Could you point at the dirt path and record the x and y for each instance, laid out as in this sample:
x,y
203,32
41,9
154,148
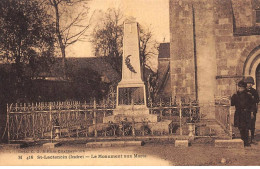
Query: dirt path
x,y
151,154
154,153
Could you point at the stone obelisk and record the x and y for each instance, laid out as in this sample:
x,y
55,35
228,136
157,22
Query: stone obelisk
x,y
131,66
131,92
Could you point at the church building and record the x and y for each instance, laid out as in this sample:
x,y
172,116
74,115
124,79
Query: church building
x,y
213,45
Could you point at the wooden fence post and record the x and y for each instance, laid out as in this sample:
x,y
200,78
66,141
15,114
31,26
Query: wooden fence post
x,y
85,113
161,109
230,124
133,127
104,106
8,123
51,120
180,117
190,109
170,105
95,117
33,126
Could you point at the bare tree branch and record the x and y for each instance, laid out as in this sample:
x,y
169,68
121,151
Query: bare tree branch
x,y
69,34
107,39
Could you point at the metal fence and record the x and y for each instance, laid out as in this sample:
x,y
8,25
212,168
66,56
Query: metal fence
x,y
223,114
42,121
179,112
38,121
75,120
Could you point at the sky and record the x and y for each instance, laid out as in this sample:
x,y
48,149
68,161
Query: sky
x,y
150,13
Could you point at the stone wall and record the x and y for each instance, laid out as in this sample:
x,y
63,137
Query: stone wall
x,y
205,50
182,49
232,51
225,37
243,13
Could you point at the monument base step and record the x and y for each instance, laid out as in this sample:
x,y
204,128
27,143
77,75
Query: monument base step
x,y
51,145
162,127
130,118
10,146
181,143
113,144
131,110
234,143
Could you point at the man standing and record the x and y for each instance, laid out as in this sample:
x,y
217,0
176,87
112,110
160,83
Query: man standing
x,y
242,119
250,82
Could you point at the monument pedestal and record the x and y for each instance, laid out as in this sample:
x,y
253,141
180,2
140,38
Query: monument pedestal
x,y
131,93
131,113
131,118
133,110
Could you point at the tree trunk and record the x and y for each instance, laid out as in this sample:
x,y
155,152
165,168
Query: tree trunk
x,y
61,44
19,76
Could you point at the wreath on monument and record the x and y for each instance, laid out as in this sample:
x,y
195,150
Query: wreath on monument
x,y
128,64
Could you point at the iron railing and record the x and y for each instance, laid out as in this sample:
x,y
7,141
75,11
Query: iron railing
x,y
75,119
223,114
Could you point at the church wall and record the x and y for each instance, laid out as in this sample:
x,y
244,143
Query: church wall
x,y
224,37
205,50
231,49
182,49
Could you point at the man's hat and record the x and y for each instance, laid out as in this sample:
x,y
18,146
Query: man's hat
x,y
249,79
241,84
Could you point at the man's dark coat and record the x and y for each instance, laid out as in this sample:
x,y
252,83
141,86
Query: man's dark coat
x,y
243,104
255,99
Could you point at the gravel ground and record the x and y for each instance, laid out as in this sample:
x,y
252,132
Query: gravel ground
x,y
152,153
201,153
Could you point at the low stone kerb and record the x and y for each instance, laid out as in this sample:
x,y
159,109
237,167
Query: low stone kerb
x,y
234,143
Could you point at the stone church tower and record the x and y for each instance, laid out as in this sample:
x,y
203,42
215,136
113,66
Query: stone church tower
x,y
213,44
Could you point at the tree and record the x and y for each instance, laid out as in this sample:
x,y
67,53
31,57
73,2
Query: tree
x,y
26,38
148,48
107,40
70,24
86,84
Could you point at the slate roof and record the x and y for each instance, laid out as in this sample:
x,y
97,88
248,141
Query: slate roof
x,y
163,67
164,50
